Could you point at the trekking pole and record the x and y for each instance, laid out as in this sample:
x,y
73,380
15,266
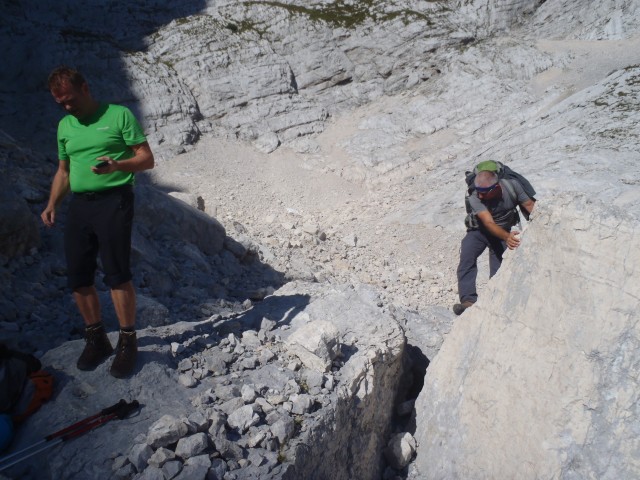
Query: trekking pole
x,y
70,428
120,410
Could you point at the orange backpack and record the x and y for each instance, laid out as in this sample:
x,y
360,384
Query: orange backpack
x,y
24,386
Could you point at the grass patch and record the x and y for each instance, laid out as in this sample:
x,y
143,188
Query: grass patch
x,y
346,14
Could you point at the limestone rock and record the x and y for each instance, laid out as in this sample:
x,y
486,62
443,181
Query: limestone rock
x,y
243,418
150,313
316,344
217,470
283,429
18,227
140,455
195,467
366,383
191,199
151,473
196,227
267,142
400,450
191,446
416,93
249,394
197,422
301,404
171,468
160,457
165,431
476,412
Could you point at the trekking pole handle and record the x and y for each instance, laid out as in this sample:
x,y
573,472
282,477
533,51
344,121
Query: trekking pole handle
x,y
71,428
124,409
113,408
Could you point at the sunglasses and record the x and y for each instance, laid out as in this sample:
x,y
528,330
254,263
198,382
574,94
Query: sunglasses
x,y
486,190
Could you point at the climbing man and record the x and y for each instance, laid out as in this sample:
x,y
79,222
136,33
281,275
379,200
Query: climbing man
x,y
494,194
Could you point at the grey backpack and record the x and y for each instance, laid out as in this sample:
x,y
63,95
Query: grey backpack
x,y
506,176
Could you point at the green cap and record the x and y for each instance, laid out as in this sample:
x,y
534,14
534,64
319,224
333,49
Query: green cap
x,y
487,166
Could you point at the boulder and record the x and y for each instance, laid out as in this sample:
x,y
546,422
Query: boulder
x,y
162,216
540,380
400,450
316,344
165,431
18,226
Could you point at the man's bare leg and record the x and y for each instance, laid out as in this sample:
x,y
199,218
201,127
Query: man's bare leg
x,y
88,304
124,302
97,346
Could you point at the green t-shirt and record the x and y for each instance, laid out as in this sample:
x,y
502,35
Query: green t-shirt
x,y
108,132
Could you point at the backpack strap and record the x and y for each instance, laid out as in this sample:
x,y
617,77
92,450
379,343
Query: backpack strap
x,y
508,186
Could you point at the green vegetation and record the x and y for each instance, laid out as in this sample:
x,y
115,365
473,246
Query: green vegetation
x,y
242,27
199,24
406,15
623,135
635,80
345,14
303,386
282,458
169,64
339,14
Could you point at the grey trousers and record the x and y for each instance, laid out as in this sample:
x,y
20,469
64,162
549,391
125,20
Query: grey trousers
x,y
473,244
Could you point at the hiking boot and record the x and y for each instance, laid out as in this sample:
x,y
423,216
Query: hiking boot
x,y
126,353
458,308
97,347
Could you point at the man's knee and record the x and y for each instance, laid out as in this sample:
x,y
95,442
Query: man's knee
x,y
84,290
116,280
128,285
76,282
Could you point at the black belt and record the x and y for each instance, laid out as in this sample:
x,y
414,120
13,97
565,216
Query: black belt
x,y
102,193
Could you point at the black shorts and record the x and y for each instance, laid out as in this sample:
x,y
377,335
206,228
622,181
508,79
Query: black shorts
x,y
99,223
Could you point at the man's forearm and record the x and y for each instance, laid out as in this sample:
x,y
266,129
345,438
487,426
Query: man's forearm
x,y
492,227
135,164
497,231
142,160
59,188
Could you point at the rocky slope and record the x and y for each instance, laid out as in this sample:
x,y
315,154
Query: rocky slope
x,y
330,145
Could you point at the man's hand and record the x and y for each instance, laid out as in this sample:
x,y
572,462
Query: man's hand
x,y
59,188
106,165
513,241
142,160
49,216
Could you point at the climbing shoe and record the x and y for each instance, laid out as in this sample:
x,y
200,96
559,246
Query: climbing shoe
x,y
458,308
126,353
96,349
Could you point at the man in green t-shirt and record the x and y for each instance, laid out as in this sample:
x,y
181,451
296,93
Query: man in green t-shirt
x,y
100,148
